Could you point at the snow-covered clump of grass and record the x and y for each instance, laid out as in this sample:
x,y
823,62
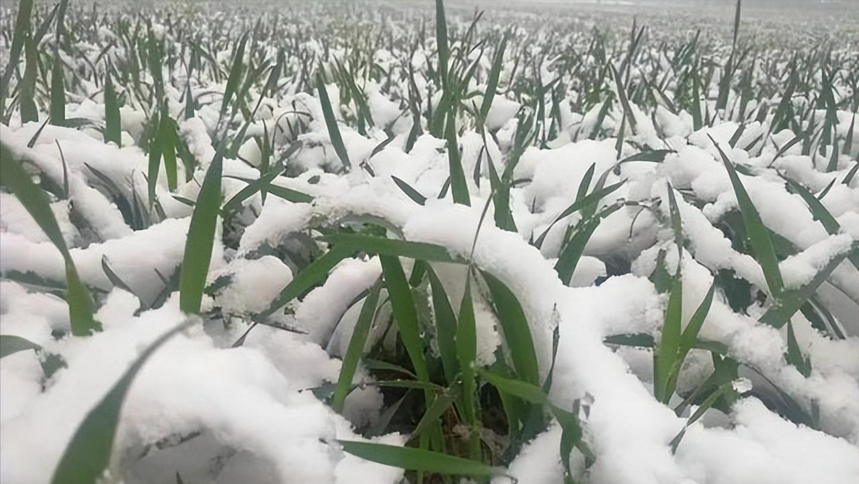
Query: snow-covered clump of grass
x,y
335,246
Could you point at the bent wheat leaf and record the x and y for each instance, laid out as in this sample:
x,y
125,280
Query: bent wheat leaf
x,y
16,180
782,310
517,333
446,325
11,344
392,247
331,123
759,235
88,454
418,459
356,348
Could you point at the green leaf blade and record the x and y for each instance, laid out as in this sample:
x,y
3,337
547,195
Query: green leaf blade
x,y
16,180
201,239
758,234
418,459
88,454
331,123
355,349
517,332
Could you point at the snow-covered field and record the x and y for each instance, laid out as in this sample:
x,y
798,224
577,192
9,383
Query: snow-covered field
x,y
392,245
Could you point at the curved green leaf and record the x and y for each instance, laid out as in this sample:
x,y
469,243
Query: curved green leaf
x,y
10,344
517,333
418,459
356,347
15,179
759,235
88,454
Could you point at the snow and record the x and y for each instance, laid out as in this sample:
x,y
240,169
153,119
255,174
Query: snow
x,y
251,404
765,449
253,284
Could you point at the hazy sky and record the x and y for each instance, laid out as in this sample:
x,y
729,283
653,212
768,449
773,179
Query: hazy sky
x,y
848,7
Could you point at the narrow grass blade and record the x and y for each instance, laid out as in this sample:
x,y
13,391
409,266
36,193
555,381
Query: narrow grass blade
x,y
154,60
669,344
707,404
440,404
591,200
201,239
676,224
848,142
624,101
418,459
517,333
409,191
37,134
758,234
693,327
780,313
22,25
16,180
737,20
689,338
660,277
518,388
305,279
822,215
111,275
556,341
378,365
235,73
697,122
571,436
355,349
392,247
826,190
446,328
571,428
88,454
264,185
492,82
27,91
466,352
250,190
11,344
571,253
654,156
154,160
112,122
20,33
458,182
851,174
794,354
603,112
331,122
411,384
441,40
790,144
584,187
58,92
641,340
167,148
647,341
403,305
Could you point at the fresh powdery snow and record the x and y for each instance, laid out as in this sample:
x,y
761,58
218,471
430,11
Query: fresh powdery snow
x,y
247,393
